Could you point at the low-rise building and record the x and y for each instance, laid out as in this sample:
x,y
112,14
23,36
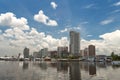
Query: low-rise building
x,y
53,54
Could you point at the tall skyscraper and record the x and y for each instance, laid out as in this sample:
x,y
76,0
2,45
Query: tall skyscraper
x,y
74,43
26,53
91,50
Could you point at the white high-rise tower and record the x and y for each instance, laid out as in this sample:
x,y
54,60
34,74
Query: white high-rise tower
x,y
74,43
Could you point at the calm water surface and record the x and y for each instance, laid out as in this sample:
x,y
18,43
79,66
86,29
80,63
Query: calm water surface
x,y
58,71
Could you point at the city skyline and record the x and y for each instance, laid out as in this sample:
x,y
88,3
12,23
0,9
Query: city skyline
x,y
46,24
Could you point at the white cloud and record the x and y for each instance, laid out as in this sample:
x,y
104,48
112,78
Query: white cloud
x,y
67,29
115,11
33,32
89,35
16,38
112,38
64,30
105,22
42,18
52,23
10,20
117,4
89,6
85,22
108,43
54,5
33,39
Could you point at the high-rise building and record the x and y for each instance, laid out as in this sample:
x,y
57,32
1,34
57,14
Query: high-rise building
x,y
36,54
84,52
91,50
53,54
26,53
62,51
74,43
44,52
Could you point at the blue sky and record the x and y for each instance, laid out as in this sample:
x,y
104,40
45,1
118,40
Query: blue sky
x,y
91,18
87,13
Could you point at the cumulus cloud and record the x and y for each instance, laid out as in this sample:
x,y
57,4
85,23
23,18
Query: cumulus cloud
x,y
42,18
54,5
117,4
13,33
105,22
16,37
111,38
9,19
67,29
64,30
108,43
32,39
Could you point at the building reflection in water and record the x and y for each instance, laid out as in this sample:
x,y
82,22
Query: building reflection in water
x,y
74,71
41,65
101,64
62,66
25,65
89,67
84,66
92,69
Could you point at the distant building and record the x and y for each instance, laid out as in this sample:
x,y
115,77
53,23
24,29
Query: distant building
x,y
26,53
62,52
53,54
101,57
36,54
81,53
84,53
89,53
74,43
44,52
91,50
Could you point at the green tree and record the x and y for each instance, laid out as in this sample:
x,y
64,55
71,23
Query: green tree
x,y
112,54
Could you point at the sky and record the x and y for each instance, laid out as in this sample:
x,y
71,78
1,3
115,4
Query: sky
x,y
38,24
